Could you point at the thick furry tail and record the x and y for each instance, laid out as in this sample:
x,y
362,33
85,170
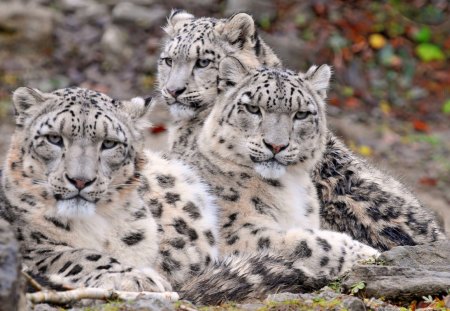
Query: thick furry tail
x,y
238,278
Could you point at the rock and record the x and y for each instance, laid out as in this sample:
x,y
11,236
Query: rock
x,y
282,297
11,296
43,307
141,16
436,254
250,306
260,10
380,305
399,283
409,272
23,25
71,5
149,305
114,45
447,301
86,10
138,2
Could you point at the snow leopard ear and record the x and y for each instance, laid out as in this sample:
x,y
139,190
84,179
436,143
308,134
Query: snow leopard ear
x,y
239,29
175,20
137,109
26,98
319,78
231,71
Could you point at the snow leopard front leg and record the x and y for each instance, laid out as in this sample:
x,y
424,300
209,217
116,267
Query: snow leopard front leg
x,y
320,252
73,268
186,216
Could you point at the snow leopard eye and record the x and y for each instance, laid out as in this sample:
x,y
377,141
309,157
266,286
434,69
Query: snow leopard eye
x,y
253,109
202,63
109,144
55,140
168,61
301,115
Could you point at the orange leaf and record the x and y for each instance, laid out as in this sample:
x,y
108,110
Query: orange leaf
x,y
352,102
334,101
421,126
428,181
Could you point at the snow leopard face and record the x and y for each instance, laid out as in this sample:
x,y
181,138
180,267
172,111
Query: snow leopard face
x,y
269,119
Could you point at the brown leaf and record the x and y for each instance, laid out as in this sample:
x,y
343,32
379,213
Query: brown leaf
x,y
428,181
421,126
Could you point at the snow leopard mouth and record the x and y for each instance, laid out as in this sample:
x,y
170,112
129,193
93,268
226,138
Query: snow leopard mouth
x,y
189,105
77,197
268,162
75,207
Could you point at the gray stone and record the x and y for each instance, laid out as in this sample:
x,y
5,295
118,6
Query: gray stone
x,y
86,10
250,306
76,4
114,45
282,297
260,10
151,305
11,296
138,2
43,307
407,272
399,283
26,24
437,254
139,15
380,305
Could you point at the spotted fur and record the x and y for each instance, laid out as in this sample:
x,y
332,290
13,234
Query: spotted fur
x,y
257,149
355,198
90,207
189,62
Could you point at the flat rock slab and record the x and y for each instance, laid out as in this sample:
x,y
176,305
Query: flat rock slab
x,y
406,273
437,254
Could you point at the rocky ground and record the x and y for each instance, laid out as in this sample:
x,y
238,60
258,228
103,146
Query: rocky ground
x,y
390,99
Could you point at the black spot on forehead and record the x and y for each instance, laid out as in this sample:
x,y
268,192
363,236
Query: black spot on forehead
x,y
78,112
277,90
193,39
70,97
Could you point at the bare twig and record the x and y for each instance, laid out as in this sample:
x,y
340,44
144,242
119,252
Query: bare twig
x,y
95,293
35,284
186,308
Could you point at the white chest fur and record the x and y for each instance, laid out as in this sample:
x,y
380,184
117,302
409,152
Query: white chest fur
x,y
298,205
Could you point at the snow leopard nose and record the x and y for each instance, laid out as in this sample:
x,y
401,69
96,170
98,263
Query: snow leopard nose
x,y
275,148
176,92
80,183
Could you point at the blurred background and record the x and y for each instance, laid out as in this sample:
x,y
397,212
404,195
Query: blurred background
x,y
390,98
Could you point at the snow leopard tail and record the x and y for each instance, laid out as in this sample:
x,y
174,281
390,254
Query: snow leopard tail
x,y
237,278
